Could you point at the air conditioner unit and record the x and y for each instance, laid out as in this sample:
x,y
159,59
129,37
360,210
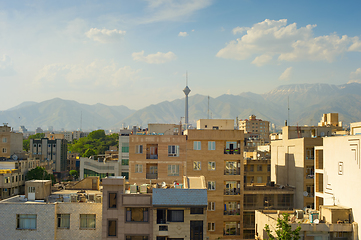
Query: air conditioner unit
x,y
299,214
91,197
133,188
98,199
73,198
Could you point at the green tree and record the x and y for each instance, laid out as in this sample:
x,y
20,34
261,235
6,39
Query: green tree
x,y
74,174
89,152
283,229
39,173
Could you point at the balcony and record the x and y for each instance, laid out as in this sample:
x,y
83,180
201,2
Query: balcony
x,y
232,212
234,171
152,176
152,156
232,151
233,191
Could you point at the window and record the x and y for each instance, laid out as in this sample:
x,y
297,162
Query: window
x,y
211,145
112,228
138,149
211,185
310,190
26,221
196,165
125,175
211,166
250,168
268,168
137,215
173,151
7,179
175,216
4,150
211,206
4,140
112,200
259,168
125,147
211,226
173,170
138,168
125,162
63,220
259,179
196,210
87,221
197,145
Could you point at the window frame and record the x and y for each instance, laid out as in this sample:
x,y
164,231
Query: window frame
x,y
211,185
170,218
20,217
138,168
115,204
138,149
62,216
211,226
173,169
116,226
211,206
129,209
87,218
173,150
211,165
197,165
197,145
211,145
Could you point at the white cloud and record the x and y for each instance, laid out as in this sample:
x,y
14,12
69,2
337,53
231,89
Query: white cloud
x,y
355,76
286,75
286,42
6,66
239,30
173,10
86,76
105,35
193,30
156,58
183,34
262,60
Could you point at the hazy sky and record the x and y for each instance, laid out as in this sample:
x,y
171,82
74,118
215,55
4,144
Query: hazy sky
x,y
136,53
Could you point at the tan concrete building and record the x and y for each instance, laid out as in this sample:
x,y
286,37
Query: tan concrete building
x,y
65,214
255,126
257,168
215,124
322,225
10,142
218,156
330,119
292,164
156,158
337,171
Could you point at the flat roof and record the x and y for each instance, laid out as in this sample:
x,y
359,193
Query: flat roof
x,y
179,197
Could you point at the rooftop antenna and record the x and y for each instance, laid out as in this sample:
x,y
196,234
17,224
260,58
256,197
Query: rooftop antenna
x,y
288,110
186,91
208,107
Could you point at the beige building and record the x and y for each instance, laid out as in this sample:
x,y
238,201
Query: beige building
x,y
218,156
156,158
257,168
10,142
66,214
255,126
292,164
323,225
337,167
330,119
215,124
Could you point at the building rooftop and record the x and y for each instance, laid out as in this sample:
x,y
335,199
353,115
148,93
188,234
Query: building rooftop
x,y
179,197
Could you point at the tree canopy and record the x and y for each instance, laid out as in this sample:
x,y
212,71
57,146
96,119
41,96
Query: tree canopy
x,y
95,143
39,173
283,229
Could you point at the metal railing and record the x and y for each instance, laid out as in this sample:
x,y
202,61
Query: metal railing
x,y
152,176
233,191
235,171
152,156
232,212
232,151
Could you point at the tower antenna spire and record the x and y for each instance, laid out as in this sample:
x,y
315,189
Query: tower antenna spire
x,y
186,91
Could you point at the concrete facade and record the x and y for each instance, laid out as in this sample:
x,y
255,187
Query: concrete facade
x,y
255,126
10,142
215,124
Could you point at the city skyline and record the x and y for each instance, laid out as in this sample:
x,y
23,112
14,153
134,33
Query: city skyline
x,y
136,53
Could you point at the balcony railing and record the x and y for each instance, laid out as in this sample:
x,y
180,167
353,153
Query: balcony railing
x,y
235,171
232,212
231,231
152,156
232,151
233,191
310,176
152,176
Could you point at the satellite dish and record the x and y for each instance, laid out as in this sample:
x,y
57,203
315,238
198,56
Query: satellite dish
x,y
316,221
14,157
305,193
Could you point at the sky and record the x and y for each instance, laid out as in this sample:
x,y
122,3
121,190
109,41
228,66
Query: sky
x,y
136,53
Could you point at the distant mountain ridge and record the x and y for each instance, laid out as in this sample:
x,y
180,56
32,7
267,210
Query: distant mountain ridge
x,y
307,103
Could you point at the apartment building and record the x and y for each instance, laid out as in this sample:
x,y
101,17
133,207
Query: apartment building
x,y
256,126
292,164
218,156
156,157
10,142
158,214
53,152
328,223
215,124
65,214
98,167
257,168
123,156
337,167
73,161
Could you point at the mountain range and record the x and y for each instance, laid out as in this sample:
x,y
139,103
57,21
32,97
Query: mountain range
x,y
307,103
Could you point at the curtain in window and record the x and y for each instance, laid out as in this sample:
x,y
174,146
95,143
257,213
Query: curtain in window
x,y
27,221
